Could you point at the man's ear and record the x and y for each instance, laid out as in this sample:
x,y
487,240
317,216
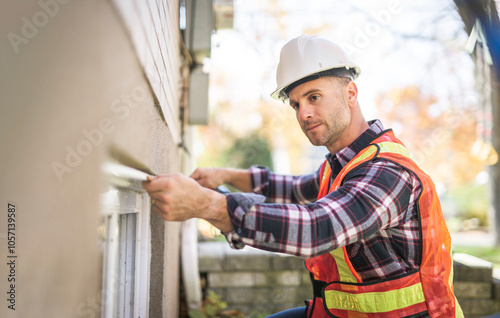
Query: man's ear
x,y
352,92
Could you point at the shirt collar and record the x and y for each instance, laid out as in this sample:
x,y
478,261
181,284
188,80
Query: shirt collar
x,y
345,155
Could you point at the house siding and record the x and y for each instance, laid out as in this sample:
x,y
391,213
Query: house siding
x,y
82,83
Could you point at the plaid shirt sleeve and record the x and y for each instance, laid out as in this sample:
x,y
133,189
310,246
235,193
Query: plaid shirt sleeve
x,y
284,188
376,196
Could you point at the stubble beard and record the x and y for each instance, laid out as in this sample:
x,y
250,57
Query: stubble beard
x,y
334,127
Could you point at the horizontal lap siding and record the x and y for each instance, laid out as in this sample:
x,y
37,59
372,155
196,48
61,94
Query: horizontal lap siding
x,y
154,29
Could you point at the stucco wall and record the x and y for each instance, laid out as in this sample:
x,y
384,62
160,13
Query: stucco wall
x,y
73,92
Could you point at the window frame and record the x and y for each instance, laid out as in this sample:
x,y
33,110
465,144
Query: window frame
x,y
125,211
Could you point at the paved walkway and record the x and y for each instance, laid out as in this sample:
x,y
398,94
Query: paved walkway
x,y
473,238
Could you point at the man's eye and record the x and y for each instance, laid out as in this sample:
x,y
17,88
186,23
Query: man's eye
x,y
314,97
295,106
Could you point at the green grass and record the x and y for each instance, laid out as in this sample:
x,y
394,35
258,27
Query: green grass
x,y
490,254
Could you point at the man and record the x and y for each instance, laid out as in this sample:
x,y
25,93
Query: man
x,y
368,222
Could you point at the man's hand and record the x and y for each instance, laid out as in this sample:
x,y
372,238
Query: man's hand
x,y
210,177
214,177
178,198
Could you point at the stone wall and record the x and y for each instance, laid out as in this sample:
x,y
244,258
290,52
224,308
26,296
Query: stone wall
x,y
255,281
476,287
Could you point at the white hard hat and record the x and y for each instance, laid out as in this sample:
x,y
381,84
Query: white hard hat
x,y
310,56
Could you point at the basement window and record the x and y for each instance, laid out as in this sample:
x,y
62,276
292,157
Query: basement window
x,y
125,241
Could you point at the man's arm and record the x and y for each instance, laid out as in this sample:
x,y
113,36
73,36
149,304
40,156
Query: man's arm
x,y
277,188
375,196
178,198
214,177
258,179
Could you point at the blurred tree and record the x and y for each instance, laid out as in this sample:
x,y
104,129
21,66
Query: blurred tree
x,y
440,139
482,22
225,146
247,151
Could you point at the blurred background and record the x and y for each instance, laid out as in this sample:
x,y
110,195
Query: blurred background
x,y
95,94
417,75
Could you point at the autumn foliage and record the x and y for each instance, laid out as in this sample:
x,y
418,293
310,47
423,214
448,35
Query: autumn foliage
x,y
441,137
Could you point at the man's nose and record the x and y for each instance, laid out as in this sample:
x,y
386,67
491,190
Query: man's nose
x,y
305,111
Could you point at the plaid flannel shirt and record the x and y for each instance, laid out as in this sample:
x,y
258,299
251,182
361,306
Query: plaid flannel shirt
x,y
373,213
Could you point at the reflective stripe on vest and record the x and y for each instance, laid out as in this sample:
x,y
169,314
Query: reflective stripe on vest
x,y
389,146
375,302
344,266
366,155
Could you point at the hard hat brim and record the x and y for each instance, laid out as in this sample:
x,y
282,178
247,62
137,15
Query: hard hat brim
x,y
279,94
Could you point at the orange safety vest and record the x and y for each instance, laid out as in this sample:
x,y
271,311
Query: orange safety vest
x,y
430,288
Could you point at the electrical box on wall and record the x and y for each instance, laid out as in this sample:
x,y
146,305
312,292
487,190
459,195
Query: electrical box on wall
x,y
198,39
198,97
201,18
199,27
